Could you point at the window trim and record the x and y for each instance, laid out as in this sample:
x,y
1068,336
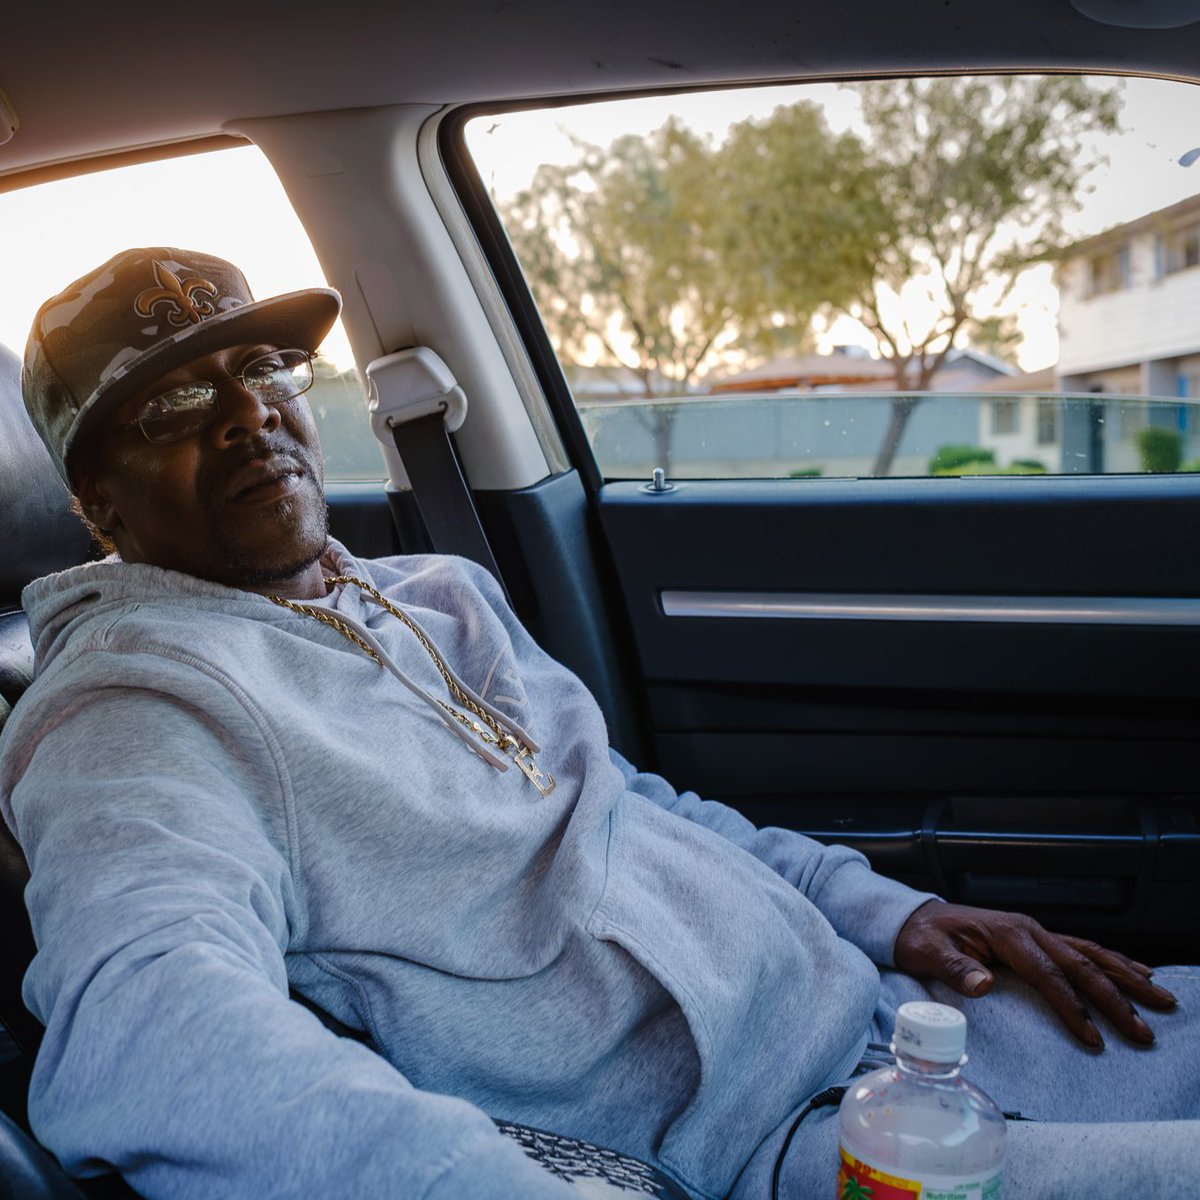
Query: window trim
x,y
510,281
869,606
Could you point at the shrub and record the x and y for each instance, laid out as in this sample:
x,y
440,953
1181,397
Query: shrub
x,y
948,458
1027,466
1161,449
1193,466
987,468
806,473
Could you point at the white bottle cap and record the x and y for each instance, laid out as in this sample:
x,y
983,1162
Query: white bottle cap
x,y
934,1032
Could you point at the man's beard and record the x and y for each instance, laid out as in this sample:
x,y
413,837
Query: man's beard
x,y
303,531
308,547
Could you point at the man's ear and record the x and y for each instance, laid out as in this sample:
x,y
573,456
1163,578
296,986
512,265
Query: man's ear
x,y
94,502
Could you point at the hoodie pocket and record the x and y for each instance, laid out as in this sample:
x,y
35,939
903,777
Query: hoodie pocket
x,y
772,997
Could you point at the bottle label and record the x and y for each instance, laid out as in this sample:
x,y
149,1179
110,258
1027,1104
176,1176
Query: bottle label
x,y
860,1180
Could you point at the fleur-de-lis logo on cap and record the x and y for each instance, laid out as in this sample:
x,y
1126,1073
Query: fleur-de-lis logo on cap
x,y
189,299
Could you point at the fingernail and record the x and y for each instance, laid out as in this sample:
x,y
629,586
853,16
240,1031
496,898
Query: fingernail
x,y
1165,996
1091,1035
975,980
1143,968
1144,1032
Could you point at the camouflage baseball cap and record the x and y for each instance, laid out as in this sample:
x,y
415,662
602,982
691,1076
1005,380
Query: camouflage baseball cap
x,y
142,314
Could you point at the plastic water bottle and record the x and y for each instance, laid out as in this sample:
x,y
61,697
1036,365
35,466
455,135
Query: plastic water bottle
x,y
919,1130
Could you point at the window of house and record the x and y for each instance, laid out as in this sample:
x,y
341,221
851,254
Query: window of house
x,y
1109,271
1004,416
1047,421
1181,249
830,280
44,245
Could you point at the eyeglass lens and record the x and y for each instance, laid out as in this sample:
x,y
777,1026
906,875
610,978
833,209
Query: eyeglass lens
x,y
191,407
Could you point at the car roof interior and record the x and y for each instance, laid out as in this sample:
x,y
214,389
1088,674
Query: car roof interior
x,y
192,74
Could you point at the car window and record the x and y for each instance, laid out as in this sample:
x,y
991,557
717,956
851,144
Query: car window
x,y
930,277
227,202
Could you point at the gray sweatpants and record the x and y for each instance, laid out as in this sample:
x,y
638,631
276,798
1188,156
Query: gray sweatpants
x,y
1118,1122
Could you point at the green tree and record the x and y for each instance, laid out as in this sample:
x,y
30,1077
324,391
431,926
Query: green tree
x,y
801,223
617,251
976,176
655,253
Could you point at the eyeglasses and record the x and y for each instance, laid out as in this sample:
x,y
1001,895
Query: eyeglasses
x,y
182,411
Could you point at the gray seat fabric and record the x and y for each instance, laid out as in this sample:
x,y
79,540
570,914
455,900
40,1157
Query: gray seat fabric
x,y
27,1172
40,532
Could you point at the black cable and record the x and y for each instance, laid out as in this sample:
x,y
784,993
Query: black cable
x,y
831,1095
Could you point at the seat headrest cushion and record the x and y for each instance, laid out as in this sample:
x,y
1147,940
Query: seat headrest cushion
x,y
39,534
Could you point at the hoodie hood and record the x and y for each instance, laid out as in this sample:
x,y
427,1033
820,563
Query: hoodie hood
x,y
79,599
72,611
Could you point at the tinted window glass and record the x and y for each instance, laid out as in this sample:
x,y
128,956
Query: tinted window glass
x,y
908,277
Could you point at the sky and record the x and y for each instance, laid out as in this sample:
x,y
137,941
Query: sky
x,y
231,203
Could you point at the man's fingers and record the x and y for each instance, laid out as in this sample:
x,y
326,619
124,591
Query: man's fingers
x,y
1155,997
1131,977
1088,976
1029,960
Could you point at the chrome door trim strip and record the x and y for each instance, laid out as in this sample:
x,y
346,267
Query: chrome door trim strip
x,y
847,606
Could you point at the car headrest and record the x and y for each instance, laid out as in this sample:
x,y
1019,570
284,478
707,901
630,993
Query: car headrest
x,y
40,533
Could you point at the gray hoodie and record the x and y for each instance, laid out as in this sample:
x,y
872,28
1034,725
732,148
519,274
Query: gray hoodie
x,y
222,800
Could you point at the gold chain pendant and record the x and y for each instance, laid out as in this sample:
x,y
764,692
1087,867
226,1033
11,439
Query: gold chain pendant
x,y
491,735
522,756
540,779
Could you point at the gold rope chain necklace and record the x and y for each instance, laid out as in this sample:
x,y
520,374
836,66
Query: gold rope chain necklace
x,y
481,722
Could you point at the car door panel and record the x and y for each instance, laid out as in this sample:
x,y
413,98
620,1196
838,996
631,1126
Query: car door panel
x,y
1029,744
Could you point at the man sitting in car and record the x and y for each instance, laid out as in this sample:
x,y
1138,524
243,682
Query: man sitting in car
x,y
251,764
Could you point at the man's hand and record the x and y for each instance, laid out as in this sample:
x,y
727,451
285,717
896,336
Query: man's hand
x,y
958,945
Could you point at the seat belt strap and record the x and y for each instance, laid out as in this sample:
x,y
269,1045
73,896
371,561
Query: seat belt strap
x,y
443,499
415,404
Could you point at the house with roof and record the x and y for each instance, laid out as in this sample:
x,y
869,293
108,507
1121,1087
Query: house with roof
x,y
1021,418
1129,328
849,368
809,414
845,367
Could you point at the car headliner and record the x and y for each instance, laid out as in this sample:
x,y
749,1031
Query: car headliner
x,y
112,77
